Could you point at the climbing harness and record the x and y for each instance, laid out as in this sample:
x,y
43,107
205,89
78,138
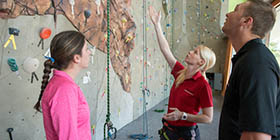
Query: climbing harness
x,y
177,132
13,32
111,131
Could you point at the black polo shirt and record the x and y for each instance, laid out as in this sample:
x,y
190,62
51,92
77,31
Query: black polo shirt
x,y
252,98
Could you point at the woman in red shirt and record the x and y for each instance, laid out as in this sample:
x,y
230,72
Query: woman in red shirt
x,y
189,92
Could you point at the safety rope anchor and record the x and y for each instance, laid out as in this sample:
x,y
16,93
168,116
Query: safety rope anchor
x,y
112,131
146,91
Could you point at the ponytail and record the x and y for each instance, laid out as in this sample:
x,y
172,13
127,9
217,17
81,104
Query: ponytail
x,y
181,77
47,70
209,57
203,73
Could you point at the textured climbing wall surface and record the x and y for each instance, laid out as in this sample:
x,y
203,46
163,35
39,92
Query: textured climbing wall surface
x,y
198,22
89,18
17,96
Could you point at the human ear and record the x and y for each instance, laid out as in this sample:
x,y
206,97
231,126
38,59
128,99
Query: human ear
x,y
201,62
247,21
76,58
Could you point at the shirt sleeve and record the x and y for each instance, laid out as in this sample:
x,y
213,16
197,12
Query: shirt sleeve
x,y
63,111
205,96
257,94
177,67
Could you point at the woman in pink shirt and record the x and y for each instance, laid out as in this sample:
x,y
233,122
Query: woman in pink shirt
x,y
65,110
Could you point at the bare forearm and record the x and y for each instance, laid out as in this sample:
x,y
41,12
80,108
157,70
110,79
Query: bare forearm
x,y
199,118
163,44
164,47
205,117
255,136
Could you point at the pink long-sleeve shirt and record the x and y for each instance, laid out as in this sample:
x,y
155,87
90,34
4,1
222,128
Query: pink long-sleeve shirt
x,y
65,110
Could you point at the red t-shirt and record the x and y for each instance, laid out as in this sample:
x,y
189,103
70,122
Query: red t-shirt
x,y
189,96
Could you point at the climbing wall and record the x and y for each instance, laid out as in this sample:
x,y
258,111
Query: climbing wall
x,y
19,95
199,22
146,68
89,18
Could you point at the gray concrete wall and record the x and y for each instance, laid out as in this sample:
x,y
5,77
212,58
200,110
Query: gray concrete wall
x,y
17,97
199,22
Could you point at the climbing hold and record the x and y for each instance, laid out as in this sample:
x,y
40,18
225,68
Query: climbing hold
x,y
13,32
159,110
44,34
30,65
87,14
13,66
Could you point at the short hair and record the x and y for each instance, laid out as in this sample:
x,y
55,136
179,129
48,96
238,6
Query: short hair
x,y
263,14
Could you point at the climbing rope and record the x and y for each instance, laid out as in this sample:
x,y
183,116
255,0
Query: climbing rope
x,y
172,25
145,72
111,131
199,20
144,83
171,79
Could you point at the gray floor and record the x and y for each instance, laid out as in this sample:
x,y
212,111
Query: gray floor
x,y
207,131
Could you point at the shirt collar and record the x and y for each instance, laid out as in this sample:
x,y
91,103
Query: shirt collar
x,y
245,48
196,75
62,74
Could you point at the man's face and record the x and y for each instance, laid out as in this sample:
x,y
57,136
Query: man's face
x,y
233,20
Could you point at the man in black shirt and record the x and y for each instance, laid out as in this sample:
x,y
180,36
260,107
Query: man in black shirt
x,y
251,108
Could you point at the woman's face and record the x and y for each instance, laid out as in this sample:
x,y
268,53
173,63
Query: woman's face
x,y
85,58
194,58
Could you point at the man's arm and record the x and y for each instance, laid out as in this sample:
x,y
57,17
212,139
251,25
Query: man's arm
x,y
257,96
255,136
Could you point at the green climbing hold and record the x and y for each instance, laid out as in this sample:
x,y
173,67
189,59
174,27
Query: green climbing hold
x,y
159,110
13,65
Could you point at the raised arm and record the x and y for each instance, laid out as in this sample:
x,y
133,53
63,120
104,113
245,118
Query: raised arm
x,y
163,44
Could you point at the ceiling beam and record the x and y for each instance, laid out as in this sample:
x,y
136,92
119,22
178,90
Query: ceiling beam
x,y
276,3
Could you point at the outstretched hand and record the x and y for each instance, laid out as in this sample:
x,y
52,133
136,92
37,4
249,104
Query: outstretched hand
x,y
173,116
155,16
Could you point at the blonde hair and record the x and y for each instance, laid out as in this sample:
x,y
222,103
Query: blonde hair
x,y
208,56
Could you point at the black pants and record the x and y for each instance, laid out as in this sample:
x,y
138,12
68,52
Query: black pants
x,y
181,134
